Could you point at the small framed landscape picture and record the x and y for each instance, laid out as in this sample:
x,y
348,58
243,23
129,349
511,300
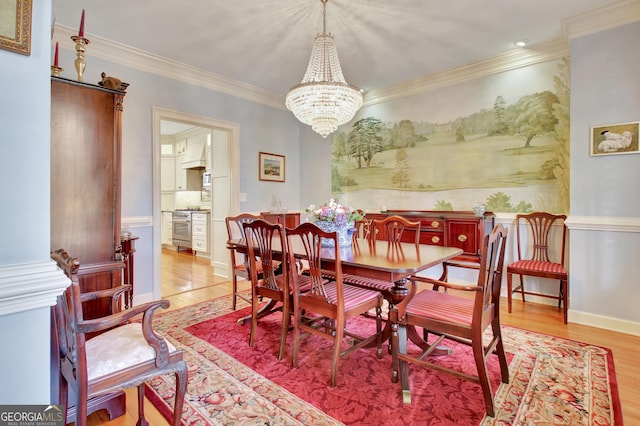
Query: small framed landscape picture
x,y
621,138
271,167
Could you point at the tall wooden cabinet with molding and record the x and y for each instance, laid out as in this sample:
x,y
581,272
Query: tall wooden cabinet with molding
x,y
86,141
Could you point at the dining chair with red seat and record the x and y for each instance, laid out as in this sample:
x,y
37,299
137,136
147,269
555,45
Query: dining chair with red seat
x,y
394,229
240,262
457,318
273,281
536,262
324,308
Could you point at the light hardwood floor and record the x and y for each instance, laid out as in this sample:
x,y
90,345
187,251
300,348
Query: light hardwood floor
x,y
187,280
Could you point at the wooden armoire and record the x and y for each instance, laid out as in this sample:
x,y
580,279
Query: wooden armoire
x,y
86,140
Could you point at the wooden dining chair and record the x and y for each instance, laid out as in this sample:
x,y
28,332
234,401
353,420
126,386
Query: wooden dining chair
x,y
536,262
363,229
458,318
125,354
273,281
324,308
239,261
394,229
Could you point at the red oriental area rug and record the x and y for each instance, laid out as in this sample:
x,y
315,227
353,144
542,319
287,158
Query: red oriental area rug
x,y
553,380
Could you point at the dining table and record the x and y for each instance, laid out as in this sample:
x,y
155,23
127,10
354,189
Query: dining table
x,y
379,259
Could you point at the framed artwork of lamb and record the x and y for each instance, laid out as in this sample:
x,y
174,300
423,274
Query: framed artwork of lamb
x,y
621,138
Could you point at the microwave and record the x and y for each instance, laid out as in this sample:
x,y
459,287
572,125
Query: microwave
x,y
206,179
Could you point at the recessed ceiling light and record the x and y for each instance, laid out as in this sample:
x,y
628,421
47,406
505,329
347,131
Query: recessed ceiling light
x,y
521,43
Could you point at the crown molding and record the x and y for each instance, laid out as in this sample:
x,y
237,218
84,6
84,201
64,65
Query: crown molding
x,y
29,286
620,13
604,18
513,59
144,61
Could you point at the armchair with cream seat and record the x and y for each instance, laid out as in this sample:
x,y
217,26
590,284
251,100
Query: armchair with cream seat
x,y
126,353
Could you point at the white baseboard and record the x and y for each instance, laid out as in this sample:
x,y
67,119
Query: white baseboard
x,y
607,323
221,270
139,299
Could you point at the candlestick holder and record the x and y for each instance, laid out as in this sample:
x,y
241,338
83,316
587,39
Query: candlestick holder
x,y
81,47
55,71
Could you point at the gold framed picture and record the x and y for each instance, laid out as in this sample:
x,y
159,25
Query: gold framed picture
x,y
271,167
15,25
621,138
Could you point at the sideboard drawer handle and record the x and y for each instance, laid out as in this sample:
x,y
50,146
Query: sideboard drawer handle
x,y
435,224
435,240
462,238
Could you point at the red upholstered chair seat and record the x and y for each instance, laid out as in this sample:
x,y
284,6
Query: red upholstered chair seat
x,y
536,266
372,283
441,306
353,296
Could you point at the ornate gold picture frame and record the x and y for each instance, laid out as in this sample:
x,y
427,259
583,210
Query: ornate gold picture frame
x,y
15,25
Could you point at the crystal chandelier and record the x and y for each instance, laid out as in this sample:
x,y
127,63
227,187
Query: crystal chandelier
x,y
324,100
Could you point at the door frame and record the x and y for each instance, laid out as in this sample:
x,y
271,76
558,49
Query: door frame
x,y
218,236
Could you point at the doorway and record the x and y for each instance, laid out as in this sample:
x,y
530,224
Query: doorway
x,y
224,188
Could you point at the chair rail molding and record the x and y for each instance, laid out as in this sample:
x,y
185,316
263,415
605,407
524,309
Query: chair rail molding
x,y
603,223
29,286
137,221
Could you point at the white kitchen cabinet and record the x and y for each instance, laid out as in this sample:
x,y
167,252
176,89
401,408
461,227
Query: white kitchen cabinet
x,y
180,147
187,179
167,174
167,228
200,232
180,173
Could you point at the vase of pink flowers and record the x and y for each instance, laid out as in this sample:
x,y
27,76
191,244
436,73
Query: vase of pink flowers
x,y
332,217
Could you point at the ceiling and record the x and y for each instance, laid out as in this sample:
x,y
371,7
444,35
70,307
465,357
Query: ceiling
x,y
267,44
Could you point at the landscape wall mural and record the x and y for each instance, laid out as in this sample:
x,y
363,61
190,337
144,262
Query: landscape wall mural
x,y
501,141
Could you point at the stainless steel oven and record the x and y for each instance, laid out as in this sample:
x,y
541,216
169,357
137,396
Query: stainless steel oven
x,y
182,229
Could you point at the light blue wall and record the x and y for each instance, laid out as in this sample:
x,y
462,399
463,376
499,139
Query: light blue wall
x,y
25,118
605,89
25,114
315,173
